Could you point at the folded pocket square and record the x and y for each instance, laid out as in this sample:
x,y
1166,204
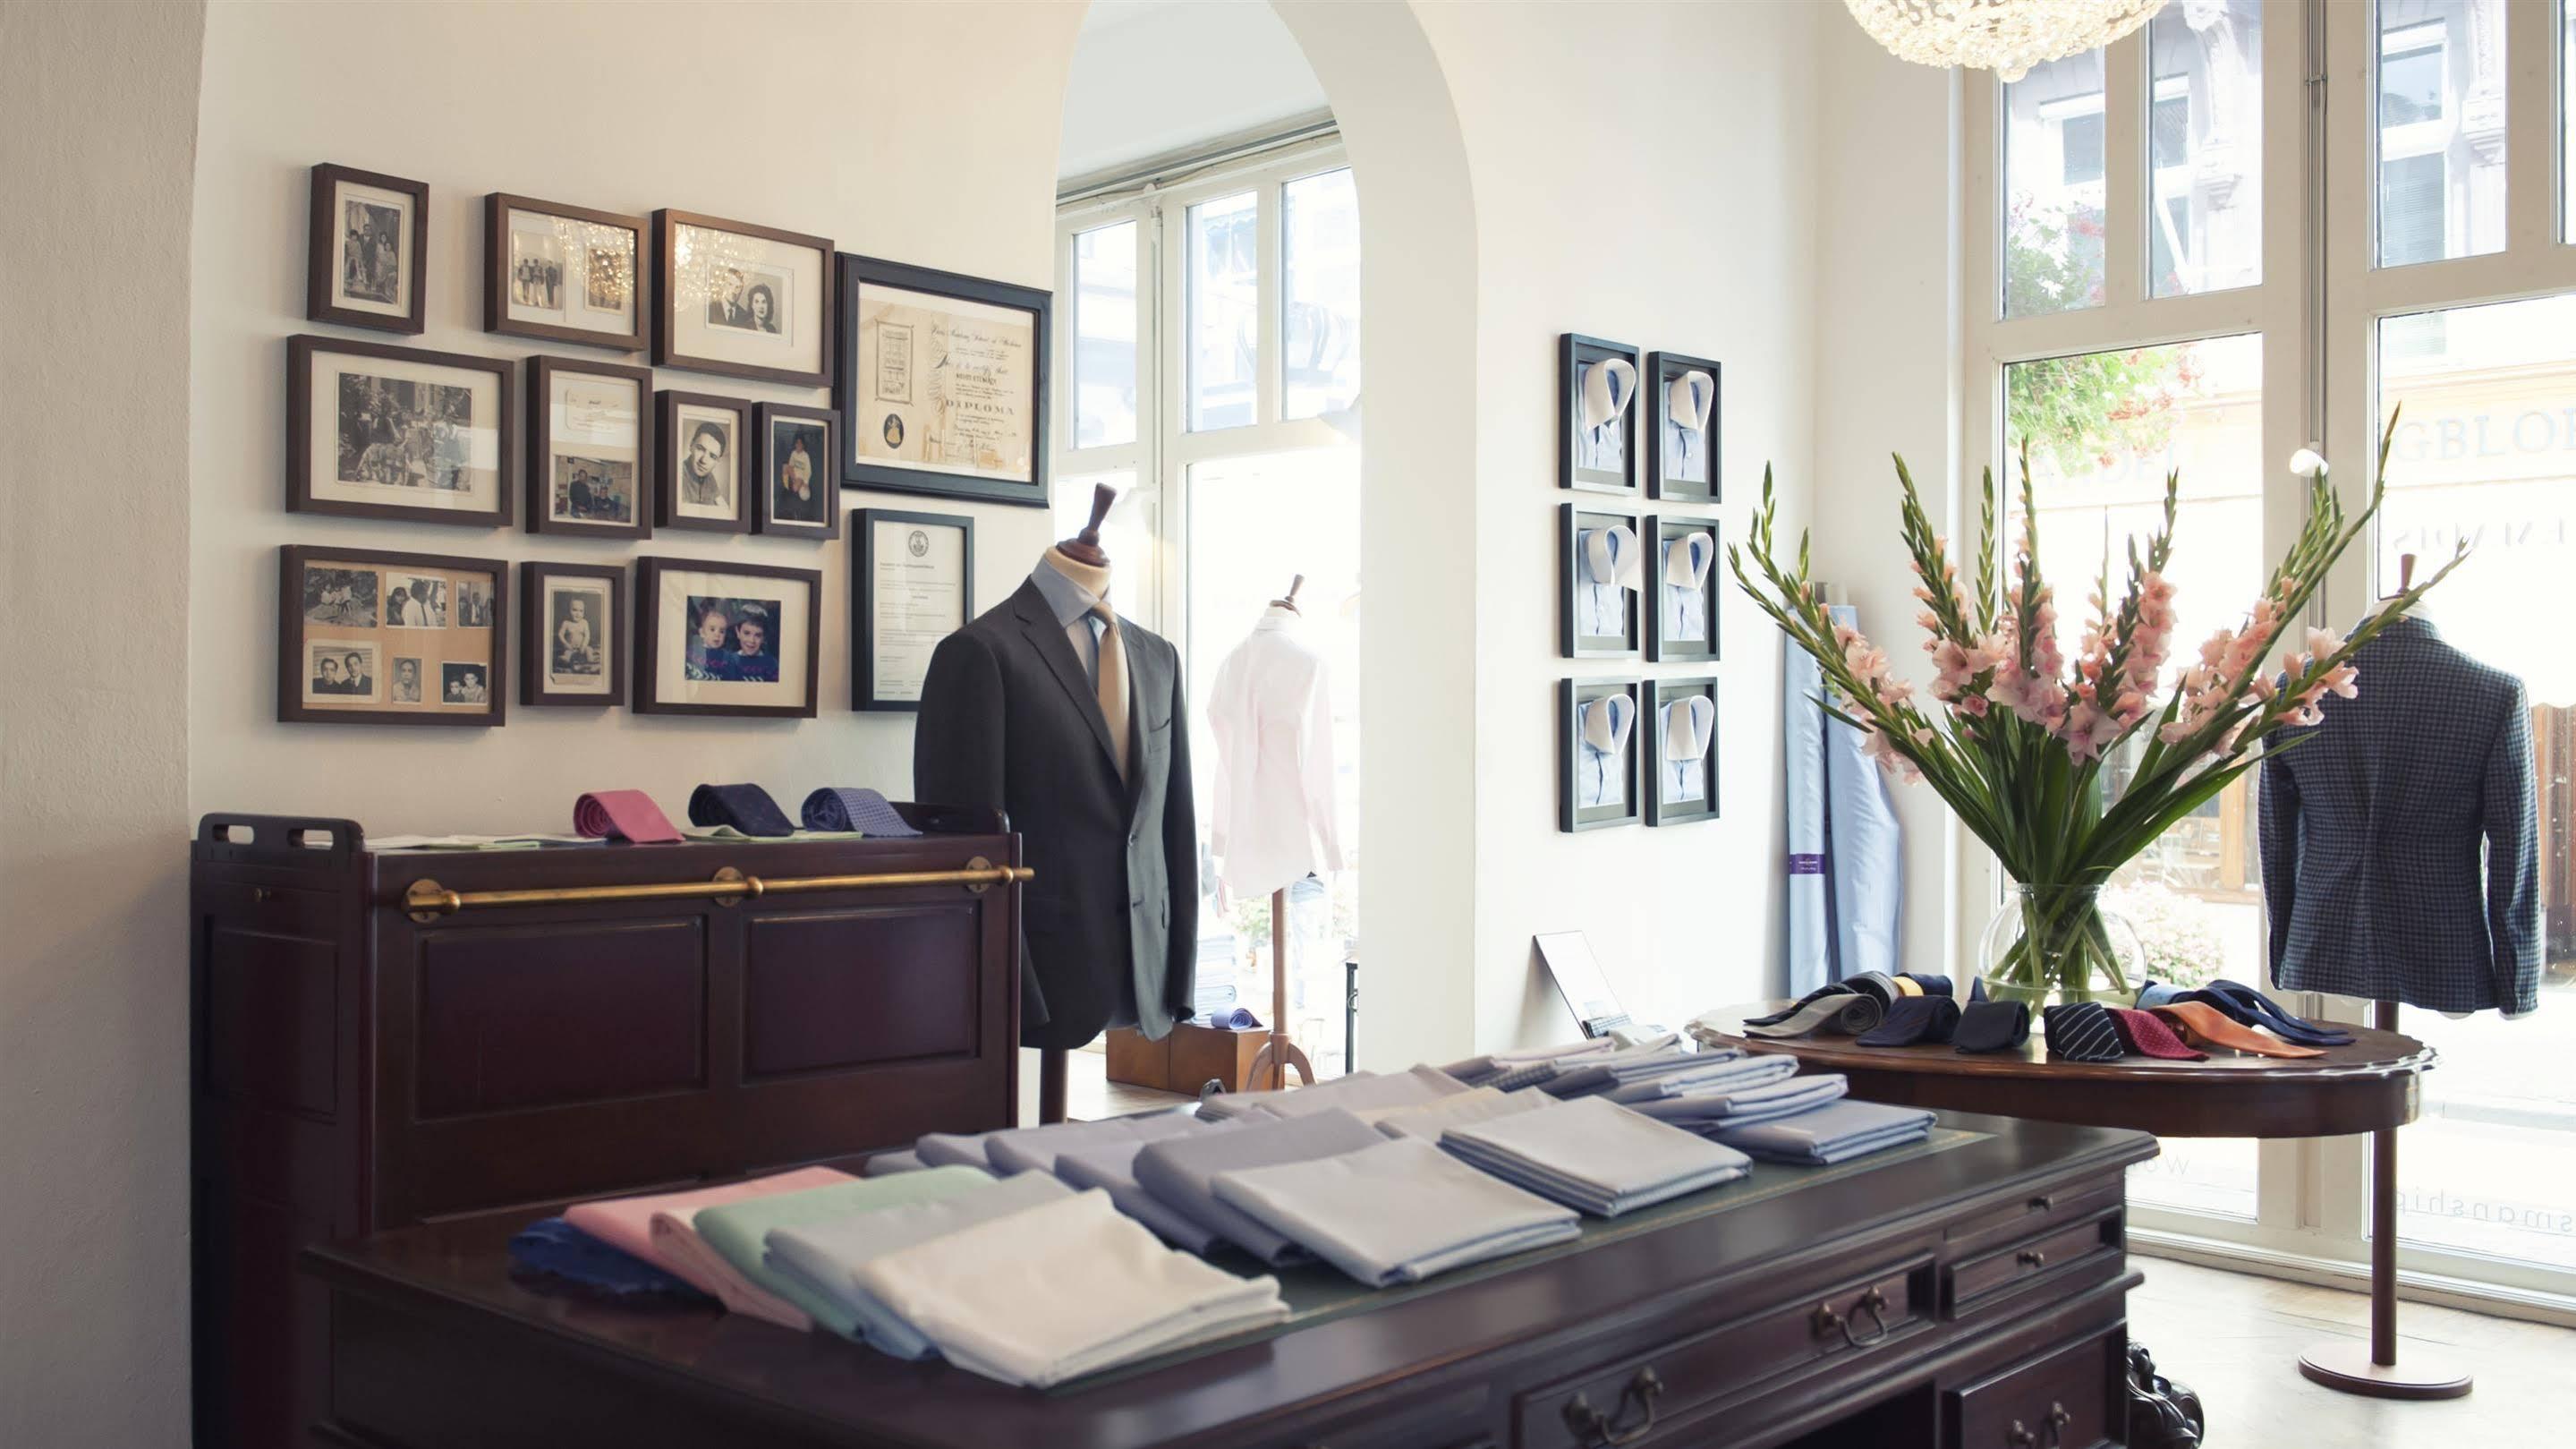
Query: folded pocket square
x,y
746,808
1992,1026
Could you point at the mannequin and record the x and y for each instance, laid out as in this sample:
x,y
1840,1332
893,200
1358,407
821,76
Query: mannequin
x,y
1073,723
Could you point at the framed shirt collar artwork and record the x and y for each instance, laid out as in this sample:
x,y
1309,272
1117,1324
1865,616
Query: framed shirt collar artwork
x,y
1682,428
1598,383
1599,759
1681,717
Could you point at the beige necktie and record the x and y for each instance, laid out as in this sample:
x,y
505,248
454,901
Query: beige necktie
x,y
1111,683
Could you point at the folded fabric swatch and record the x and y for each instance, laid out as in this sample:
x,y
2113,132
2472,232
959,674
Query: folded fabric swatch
x,y
1533,1074
746,808
2144,1034
738,1232
1398,1212
658,1228
2252,1008
1112,1169
1063,1290
1239,1019
1034,1149
1699,1112
623,815
887,1164
1475,1070
1916,1019
1849,1013
954,1149
1838,1132
1991,1026
1619,1069
844,807
2202,1024
1731,1071
1932,984
1179,1171
824,1257
1357,1091
554,1248
1425,1121
1596,1155
2081,1031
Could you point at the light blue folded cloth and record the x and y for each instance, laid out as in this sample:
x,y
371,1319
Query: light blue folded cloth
x,y
739,1231
823,1258
1730,1069
1480,1071
1836,1132
1034,1149
1179,1171
1111,1168
1702,1111
887,1164
1398,1212
1621,1069
1536,1073
1596,1155
1359,1091
951,1149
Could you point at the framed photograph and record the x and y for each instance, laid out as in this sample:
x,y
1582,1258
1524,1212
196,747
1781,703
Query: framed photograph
x,y
799,496
726,638
1682,587
911,585
573,650
1681,750
1596,445
590,454
368,637
1681,427
943,383
700,442
366,264
1602,566
741,300
563,273
1598,782
375,431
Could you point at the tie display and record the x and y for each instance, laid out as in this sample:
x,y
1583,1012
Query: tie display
x,y
1992,1026
1932,984
623,815
746,808
2146,1035
1850,1013
844,807
2081,1031
2202,1024
1111,682
1917,1019
2252,1008
1832,988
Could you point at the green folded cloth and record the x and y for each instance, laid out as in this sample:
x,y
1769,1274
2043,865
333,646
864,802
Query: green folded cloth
x,y
739,1230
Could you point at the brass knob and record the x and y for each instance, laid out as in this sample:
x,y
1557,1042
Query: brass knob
x,y
2033,1258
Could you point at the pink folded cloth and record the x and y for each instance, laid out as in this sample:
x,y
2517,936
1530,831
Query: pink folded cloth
x,y
624,815
661,1230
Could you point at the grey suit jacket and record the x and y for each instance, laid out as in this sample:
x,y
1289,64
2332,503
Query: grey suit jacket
x,y
2400,840
1009,721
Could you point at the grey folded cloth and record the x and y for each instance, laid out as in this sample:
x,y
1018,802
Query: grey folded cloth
x,y
1397,1212
887,1164
1179,1171
1112,1169
824,1257
1534,1073
1833,1133
1601,1074
1477,1071
953,1149
1725,1069
1849,1013
1357,1091
1427,1120
1034,1149
1702,1111
1596,1155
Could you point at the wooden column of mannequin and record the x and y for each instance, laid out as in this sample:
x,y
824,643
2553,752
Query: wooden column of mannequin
x,y
1279,1053
1082,548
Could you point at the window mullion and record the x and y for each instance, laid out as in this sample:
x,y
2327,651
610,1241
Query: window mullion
x,y
2125,91
2529,35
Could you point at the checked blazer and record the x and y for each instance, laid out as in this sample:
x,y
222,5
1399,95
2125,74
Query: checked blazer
x,y
2401,838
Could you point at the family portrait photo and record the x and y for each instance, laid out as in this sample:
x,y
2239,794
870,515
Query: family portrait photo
x,y
707,466
536,269
796,492
346,597
733,639
593,490
463,684
748,299
415,601
338,669
406,680
474,603
398,433
579,623
371,251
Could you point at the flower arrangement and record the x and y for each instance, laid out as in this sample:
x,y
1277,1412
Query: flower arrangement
x,y
2016,736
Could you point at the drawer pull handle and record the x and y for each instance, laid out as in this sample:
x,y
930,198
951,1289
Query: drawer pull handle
x,y
1596,1430
2032,1258
2042,1203
1873,1303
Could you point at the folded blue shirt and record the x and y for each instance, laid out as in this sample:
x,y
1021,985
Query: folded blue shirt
x,y
1836,1132
1398,1212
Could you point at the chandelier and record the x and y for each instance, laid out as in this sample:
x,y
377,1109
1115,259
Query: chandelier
x,y
2007,37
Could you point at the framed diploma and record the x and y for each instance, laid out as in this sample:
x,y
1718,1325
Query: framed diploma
x,y
911,585
741,300
942,383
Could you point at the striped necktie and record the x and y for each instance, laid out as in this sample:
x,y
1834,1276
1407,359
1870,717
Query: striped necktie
x,y
2081,1031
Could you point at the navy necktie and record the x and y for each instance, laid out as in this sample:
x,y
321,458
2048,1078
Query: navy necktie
x,y
2252,1008
1992,1026
1915,1019
746,808
1933,985
2081,1031
843,807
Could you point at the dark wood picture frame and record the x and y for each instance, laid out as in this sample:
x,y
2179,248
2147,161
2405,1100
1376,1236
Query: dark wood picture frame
x,y
1571,639
1660,809
863,573
648,630
1572,816
671,452
765,418
666,351
294,558
322,248
1662,369
1575,352
1663,531
542,371
536,643
300,352
496,263
858,273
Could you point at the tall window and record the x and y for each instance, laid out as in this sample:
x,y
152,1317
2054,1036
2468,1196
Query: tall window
x,y
1216,365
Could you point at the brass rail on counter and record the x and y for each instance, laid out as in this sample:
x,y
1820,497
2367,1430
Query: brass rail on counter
x,y
427,900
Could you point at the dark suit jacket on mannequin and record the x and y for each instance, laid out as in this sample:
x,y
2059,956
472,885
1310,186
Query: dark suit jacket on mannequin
x,y
1010,721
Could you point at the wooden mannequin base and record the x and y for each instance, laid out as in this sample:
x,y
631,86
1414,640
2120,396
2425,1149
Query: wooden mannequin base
x,y
2344,1365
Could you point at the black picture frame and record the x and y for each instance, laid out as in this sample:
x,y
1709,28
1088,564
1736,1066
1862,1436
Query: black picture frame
x,y
1665,786
644,689
304,482
669,344
1658,601
1575,354
323,252
673,438
497,207
766,421
1578,600
536,644
1580,775
542,372
866,693
861,409
1662,370
385,644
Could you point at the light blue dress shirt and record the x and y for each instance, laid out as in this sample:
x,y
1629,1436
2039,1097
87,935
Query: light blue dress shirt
x,y
1073,604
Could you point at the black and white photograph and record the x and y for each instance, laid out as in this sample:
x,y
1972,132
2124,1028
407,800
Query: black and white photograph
x,y
405,681
1681,405
465,683
474,604
749,299
725,639
572,652
561,272
590,448
800,487
576,637
707,467
742,300
592,490
371,249
1598,741
1681,725
704,443
363,263
344,597
1602,570
415,601
1597,382
1681,619
397,433
339,669
536,271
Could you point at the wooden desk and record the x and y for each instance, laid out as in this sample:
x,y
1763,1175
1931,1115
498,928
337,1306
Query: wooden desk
x,y
1969,1297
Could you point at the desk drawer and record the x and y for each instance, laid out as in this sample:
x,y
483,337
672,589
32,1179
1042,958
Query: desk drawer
x,y
1674,1381
2071,1399
2029,1216
1975,1282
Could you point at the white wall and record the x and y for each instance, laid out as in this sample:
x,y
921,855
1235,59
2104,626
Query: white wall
x,y
1155,76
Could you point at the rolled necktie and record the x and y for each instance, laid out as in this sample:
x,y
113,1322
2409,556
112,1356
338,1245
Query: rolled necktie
x,y
2145,1034
746,808
1932,983
2081,1031
1801,1004
2253,1008
1907,986
623,815
1976,989
844,807
1992,1026
1915,1019
1877,985
1849,1013
2202,1024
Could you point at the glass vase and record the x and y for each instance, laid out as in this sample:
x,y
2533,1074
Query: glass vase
x,y
2050,944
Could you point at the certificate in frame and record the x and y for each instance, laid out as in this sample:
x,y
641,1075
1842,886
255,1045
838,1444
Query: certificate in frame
x,y
912,584
942,383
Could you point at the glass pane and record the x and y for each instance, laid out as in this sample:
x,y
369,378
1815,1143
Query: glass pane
x,y
2567,116
2205,148
2053,163
1104,336
2487,453
1319,349
1125,534
1224,310
1246,543
2441,130
2104,428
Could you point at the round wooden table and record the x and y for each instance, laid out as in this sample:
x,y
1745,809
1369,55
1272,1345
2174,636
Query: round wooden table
x,y
2373,1085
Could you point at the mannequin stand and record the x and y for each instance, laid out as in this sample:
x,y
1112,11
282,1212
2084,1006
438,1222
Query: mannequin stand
x,y
1050,1085
1281,1053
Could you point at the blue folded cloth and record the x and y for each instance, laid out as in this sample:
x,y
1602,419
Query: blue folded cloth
x,y
554,1248
1035,1149
746,808
1180,1171
954,1149
848,807
1724,1071
1833,1133
1619,1069
1593,1154
1484,1071
1398,1212
1762,1102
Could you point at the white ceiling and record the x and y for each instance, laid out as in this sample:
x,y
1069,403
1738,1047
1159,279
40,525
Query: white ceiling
x,y
1155,76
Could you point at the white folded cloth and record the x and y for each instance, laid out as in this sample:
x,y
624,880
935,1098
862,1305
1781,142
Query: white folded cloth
x,y
1476,1071
824,1257
1356,1091
1178,1171
1837,1132
1034,1149
1398,1212
1063,1290
1427,1120
1724,1070
1112,1169
1596,1155
951,1149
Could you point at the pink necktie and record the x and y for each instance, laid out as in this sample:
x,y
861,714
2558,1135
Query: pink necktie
x,y
623,815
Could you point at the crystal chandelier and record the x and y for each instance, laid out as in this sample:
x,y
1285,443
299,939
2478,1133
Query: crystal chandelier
x,y
2007,37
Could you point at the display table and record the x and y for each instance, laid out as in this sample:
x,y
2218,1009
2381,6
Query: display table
x,y
1968,1291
